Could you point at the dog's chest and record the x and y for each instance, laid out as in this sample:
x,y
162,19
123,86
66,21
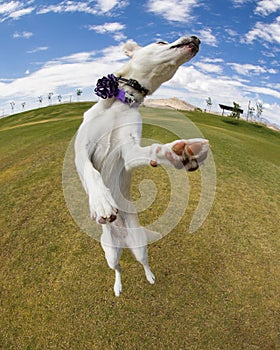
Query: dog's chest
x,y
112,130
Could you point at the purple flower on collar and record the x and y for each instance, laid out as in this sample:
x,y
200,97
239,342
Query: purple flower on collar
x,y
107,87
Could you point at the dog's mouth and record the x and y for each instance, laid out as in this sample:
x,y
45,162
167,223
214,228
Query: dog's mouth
x,y
193,45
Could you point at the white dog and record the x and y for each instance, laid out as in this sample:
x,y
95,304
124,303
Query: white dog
x,y
107,146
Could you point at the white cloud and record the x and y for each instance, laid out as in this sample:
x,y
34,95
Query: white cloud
x,y
68,6
173,10
240,2
77,57
37,49
113,54
274,86
207,37
246,69
108,5
231,32
119,37
97,8
265,91
15,9
112,28
5,80
270,54
209,67
21,13
266,7
272,71
213,60
22,35
269,32
107,27
8,7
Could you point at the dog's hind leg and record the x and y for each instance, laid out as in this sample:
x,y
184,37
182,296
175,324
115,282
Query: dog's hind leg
x,y
141,255
136,241
112,244
112,255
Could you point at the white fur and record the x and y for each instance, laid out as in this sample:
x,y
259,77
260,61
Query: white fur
x,y
107,148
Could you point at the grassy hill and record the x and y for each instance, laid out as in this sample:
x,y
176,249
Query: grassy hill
x,y
216,289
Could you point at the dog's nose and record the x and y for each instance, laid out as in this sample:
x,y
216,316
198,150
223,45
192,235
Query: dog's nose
x,y
195,38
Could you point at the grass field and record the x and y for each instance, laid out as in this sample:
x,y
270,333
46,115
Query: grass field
x,y
216,289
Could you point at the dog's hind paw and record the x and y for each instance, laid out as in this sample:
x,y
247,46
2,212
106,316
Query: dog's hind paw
x,y
149,275
117,288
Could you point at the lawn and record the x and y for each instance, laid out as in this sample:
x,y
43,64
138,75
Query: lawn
x,y
216,289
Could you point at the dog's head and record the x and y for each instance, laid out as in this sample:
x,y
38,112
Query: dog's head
x,y
156,63
181,50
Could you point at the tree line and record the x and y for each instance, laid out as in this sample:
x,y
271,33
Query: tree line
x,y
49,98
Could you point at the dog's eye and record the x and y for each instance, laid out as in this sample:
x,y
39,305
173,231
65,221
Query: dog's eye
x,y
161,42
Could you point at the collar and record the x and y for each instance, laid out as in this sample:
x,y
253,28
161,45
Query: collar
x,y
108,87
135,85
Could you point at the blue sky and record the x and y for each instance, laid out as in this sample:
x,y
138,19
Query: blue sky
x,y
60,46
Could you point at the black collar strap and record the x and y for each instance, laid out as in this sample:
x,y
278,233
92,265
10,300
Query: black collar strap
x,y
135,85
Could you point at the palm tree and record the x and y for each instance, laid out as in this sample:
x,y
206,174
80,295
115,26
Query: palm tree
x,y
12,106
236,110
259,107
50,97
209,103
79,92
40,99
251,112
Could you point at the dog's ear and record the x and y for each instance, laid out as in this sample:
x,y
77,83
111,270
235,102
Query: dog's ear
x,y
130,47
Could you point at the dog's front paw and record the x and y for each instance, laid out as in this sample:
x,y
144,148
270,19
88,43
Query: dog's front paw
x,y
188,153
103,207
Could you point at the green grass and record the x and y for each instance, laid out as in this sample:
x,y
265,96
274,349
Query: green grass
x,y
216,289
